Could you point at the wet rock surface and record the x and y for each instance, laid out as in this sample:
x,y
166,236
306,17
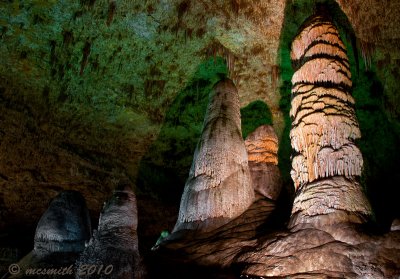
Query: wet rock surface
x,y
65,226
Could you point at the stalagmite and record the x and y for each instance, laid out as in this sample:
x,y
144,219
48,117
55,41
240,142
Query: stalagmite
x,y
262,149
219,186
114,246
326,162
61,234
65,226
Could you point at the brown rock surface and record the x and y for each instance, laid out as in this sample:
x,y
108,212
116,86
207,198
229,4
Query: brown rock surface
x,y
336,252
262,150
219,185
218,247
38,161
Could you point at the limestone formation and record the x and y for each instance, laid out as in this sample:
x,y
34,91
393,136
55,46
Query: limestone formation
x,y
326,162
395,225
114,246
221,246
219,185
341,252
61,234
262,150
65,226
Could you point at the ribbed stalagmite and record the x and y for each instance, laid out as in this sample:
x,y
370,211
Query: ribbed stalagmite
x,y
326,161
262,149
219,186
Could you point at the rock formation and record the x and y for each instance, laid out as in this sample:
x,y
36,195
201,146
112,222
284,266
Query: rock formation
x,y
326,161
343,252
113,249
65,226
61,234
219,185
220,246
262,150
326,239
395,225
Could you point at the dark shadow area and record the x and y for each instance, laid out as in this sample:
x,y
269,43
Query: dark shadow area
x,y
254,115
380,133
165,167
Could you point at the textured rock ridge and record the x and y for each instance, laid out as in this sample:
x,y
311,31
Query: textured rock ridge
x,y
219,185
262,150
221,246
115,244
326,161
341,252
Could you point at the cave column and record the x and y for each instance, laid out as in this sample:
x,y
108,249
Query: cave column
x,y
326,163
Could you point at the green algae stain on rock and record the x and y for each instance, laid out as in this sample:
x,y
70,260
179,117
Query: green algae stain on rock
x,y
255,114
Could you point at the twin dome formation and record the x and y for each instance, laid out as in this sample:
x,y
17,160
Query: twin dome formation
x,y
233,185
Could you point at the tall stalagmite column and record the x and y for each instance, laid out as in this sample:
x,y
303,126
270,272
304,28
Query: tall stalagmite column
x,y
326,162
219,186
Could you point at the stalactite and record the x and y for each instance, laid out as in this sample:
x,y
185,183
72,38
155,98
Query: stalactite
x,y
217,49
324,126
219,185
111,12
85,56
367,50
274,75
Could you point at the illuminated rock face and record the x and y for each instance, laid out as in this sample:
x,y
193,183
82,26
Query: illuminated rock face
x,y
65,226
326,161
219,185
114,246
262,150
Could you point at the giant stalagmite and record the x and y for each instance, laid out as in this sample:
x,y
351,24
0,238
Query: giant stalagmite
x,y
326,162
219,185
